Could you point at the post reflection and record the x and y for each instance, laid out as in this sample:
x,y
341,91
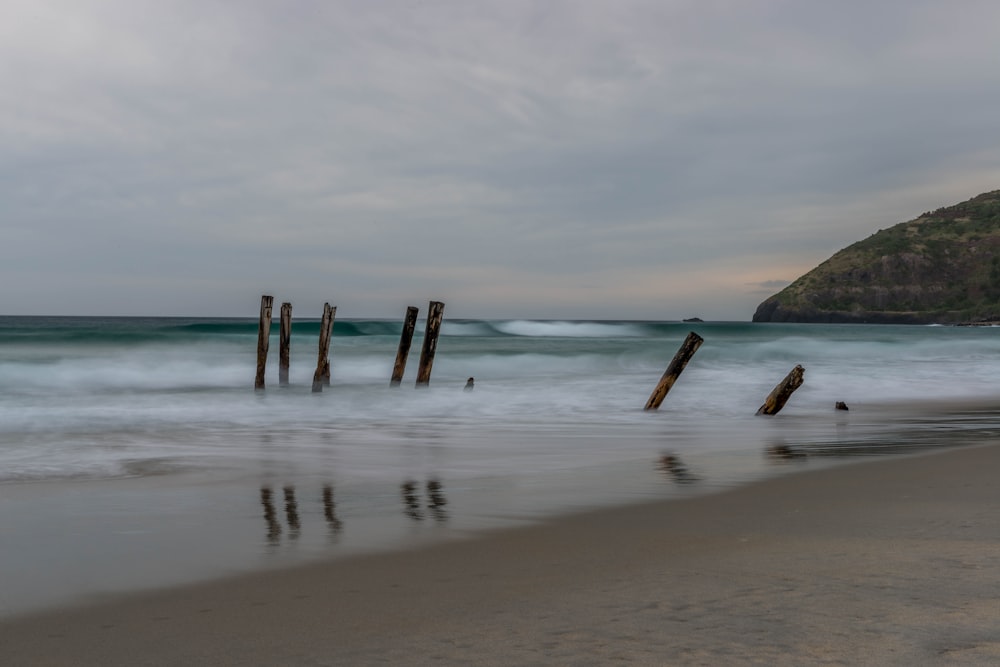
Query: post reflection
x,y
783,452
270,516
672,466
411,501
421,501
436,501
292,513
330,509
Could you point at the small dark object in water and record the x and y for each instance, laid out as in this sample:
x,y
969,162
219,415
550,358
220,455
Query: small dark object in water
x,y
470,384
841,405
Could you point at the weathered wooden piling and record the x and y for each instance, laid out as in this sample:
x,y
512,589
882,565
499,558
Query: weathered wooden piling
x,y
680,360
263,338
284,343
781,393
435,312
322,375
405,339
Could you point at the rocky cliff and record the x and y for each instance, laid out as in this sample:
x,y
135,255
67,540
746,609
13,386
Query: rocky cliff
x,y
943,267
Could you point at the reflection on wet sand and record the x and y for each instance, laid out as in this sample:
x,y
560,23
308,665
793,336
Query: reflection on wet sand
x,y
672,467
411,501
904,442
330,509
436,501
783,452
270,516
292,517
292,513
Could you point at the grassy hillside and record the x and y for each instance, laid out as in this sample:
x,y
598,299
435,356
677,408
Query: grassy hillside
x,y
941,267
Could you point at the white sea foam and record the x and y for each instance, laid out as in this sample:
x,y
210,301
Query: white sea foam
x,y
540,329
92,409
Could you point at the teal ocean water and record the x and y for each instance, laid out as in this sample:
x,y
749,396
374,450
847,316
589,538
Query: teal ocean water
x,y
135,451
89,398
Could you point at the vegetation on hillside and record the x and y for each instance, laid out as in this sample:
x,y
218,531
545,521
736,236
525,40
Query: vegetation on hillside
x,y
944,266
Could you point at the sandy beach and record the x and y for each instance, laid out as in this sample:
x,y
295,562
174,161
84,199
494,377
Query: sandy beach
x,y
890,561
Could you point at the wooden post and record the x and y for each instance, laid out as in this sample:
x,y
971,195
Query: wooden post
x,y
435,312
284,343
780,394
263,338
322,375
405,338
680,360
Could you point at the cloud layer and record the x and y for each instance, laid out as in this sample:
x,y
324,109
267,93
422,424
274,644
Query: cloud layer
x,y
520,159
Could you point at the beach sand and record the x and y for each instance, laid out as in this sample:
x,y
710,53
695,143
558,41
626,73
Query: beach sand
x,y
882,562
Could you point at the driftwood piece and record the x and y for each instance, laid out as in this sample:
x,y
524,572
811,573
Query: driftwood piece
x,y
780,394
322,375
435,312
263,338
284,343
680,360
405,339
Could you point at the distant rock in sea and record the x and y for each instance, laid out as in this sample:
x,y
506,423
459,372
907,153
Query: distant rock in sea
x,y
940,268
693,319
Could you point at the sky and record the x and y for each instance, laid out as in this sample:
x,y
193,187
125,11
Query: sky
x,y
585,159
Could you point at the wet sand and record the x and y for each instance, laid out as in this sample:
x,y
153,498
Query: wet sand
x,y
892,561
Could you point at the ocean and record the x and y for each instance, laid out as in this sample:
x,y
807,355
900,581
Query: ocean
x,y
135,452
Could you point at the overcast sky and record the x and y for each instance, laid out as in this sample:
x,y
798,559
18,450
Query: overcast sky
x,y
584,159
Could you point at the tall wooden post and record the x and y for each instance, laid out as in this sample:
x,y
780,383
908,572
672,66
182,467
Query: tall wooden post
x,y
322,375
284,343
405,339
263,338
780,394
680,360
435,312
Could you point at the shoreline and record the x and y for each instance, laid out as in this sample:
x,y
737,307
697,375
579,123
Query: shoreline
x,y
885,561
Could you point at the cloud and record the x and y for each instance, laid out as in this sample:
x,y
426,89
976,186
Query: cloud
x,y
579,158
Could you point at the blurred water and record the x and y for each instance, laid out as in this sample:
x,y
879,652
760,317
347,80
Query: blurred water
x,y
83,397
135,451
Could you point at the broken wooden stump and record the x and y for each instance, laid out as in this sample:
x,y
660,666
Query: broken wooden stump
x,y
780,394
405,339
680,360
435,312
322,375
284,343
263,338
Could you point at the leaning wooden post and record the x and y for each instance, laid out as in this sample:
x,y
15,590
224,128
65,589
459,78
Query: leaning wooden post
x,y
263,338
780,394
435,311
405,338
680,360
284,343
322,375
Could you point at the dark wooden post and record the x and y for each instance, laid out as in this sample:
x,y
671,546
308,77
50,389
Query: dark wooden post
x,y
263,338
284,343
322,375
680,360
435,312
405,338
780,394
